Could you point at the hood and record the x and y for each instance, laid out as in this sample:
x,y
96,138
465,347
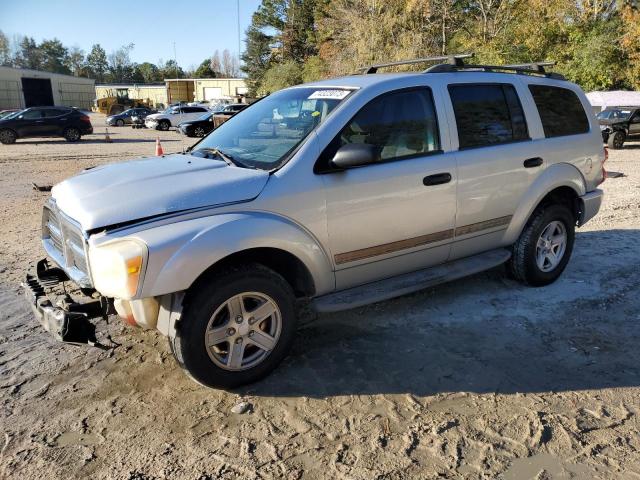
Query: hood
x,y
124,192
155,115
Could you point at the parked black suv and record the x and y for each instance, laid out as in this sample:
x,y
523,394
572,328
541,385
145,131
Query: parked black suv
x,y
65,122
617,124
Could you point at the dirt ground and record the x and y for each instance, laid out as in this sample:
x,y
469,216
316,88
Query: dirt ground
x,y
482,378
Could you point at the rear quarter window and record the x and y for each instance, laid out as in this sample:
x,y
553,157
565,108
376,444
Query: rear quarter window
x,y
560,110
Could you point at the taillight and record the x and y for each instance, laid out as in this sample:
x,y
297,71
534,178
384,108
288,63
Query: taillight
x,y
606,157
85,118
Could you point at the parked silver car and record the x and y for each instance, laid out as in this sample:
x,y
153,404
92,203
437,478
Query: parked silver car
x,y
344,192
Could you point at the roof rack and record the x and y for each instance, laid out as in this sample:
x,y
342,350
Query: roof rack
x,y
455,63
536,68
451,59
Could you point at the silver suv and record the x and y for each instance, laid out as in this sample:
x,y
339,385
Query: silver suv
x,y
341,192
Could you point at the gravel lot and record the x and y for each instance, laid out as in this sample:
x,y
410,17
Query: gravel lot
x,y
482,378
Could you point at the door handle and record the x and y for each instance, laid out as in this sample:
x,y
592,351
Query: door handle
x,y
436,179
533,162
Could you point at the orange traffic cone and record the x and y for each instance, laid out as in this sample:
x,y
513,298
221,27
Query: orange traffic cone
x,y
159,150
107,138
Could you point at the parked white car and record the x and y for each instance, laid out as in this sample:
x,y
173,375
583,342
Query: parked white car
x,y
174,116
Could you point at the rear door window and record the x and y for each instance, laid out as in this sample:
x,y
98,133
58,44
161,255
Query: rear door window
x,y
487,114
560,110
55,112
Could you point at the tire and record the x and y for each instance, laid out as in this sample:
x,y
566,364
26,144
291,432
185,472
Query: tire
x,y
212,307
7,137
72,134
119,123
199,132
164,125
616,140
525,264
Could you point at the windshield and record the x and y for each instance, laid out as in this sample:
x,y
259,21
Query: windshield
x,y
616,114
205,116
263,135
12,115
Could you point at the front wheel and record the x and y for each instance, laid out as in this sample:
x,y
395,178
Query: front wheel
x,y
119,122
164,125
7,137
544,247
199,132
616,140
236,327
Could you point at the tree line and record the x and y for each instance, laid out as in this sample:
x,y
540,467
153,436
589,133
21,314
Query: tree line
x,y
115,67
596,43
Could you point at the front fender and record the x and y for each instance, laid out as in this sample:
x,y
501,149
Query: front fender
x,y
180,252
554,176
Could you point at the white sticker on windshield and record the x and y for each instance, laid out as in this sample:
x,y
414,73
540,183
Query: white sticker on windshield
x,y
328,94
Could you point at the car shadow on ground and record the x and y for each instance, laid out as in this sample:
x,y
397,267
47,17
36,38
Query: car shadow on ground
x,y
482,334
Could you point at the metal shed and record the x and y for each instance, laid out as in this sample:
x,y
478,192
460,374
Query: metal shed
x,y
22,88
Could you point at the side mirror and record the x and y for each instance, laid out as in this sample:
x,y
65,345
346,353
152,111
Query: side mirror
x,y
356,155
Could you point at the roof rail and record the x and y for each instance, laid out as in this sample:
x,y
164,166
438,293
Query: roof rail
x,y
536,68
453,60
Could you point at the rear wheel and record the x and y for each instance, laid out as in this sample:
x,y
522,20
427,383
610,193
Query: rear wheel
x,y
164,125
236,327
72,134
7,137
199,132
544,247
616,140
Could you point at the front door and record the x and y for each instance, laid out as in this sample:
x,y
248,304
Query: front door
x,y
396,215
31,123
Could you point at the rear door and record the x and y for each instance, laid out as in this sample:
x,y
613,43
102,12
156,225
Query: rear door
x,y
56,120
497,161
193,113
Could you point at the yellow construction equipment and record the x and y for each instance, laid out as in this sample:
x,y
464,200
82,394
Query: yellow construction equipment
x,y
118,103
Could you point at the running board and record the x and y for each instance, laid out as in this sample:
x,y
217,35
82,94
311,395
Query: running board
x,y
409,282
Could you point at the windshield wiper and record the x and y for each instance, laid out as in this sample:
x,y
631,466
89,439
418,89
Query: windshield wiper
x,y
228,159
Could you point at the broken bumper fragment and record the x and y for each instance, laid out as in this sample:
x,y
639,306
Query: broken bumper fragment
x,y
68,321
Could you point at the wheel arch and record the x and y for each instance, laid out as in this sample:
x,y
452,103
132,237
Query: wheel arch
x,y
560,183
10,130
183,254
284,263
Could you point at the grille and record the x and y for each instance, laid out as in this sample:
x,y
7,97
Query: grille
x,y
65,239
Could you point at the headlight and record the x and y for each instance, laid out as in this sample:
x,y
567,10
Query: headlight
x,y
117,267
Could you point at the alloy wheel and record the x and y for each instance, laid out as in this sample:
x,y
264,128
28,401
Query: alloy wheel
x,y
243,331
551,246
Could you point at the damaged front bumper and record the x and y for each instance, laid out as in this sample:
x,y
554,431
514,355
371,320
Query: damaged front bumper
x,y
67,320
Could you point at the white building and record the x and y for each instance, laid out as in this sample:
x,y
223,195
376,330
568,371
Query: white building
x,y
618,98
22,88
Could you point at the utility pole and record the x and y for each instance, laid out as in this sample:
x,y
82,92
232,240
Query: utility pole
x,y
175,59
238,15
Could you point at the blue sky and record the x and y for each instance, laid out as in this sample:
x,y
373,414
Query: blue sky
x,y
198,27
